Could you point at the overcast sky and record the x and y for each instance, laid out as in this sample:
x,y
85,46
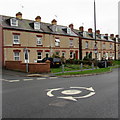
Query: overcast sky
x,y
78,12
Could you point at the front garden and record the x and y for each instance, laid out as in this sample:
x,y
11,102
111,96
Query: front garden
x,y
87,67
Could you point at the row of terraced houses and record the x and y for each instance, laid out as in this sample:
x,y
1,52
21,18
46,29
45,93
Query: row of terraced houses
x,y
45,39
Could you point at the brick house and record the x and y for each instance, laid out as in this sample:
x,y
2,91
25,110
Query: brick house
x,y
45,39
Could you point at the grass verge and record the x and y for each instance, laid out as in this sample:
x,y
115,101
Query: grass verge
x,y
102,70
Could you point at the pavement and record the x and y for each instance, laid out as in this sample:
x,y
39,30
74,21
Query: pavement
x,y
17,73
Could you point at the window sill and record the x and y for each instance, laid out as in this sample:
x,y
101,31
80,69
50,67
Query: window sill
x,y
40,45
16,44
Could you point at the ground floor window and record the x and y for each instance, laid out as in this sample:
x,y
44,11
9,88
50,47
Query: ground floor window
x,y
71,55
16,56
39,55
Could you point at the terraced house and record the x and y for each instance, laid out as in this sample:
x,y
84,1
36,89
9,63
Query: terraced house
x,y
45,39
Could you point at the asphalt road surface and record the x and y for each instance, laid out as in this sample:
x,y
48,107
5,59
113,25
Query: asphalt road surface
x,y
51,97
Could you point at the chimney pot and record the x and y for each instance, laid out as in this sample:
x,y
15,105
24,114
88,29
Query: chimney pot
x,y
54,22
81,28
106,34
98,32
19,15
90,30
38,19
111,35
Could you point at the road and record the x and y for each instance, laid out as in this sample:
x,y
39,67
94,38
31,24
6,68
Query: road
x,y
29,97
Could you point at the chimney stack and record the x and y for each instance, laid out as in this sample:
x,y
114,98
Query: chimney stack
x,y
71,26
117,36
106,34
90,30
19,15
81,28
112,36
38,19
97,32
54,22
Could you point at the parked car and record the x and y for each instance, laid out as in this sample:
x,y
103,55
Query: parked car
x,y
54,62
101,64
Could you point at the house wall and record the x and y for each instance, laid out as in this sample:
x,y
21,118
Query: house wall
x,y
100,49
28,39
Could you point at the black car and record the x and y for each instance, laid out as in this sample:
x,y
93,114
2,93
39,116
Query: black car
x,y
54,62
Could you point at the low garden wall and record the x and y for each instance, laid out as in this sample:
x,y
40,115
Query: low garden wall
x,y
32,67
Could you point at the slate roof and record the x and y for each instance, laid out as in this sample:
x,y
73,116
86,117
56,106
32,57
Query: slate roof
x,y
24,24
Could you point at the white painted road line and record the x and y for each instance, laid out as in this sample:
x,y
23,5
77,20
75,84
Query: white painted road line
x,y
53,77
27,79
13,80
41,78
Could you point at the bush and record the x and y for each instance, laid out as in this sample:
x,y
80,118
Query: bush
x,y
109,63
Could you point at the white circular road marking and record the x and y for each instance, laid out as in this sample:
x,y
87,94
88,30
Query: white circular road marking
x,y
71,92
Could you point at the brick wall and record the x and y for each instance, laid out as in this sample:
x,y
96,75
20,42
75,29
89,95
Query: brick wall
x,y
32,67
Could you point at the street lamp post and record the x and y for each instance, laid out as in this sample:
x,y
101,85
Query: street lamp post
x,y
95,47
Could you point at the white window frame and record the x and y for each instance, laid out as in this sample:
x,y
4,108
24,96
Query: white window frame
x,y
86,44
71,54
14,22
111,46
106,55
39,40
39,55
57,42
17,57
68,30
18,39
71,43
36,25
103,45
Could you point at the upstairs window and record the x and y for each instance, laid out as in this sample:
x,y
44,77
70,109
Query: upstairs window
x,y
57,42
86,44
111,46
14,22
39,40
36,25
71,43
103,46
16,39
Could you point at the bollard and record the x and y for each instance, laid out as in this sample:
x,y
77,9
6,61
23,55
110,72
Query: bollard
x,y
62,68
105,64
81,66
93,66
